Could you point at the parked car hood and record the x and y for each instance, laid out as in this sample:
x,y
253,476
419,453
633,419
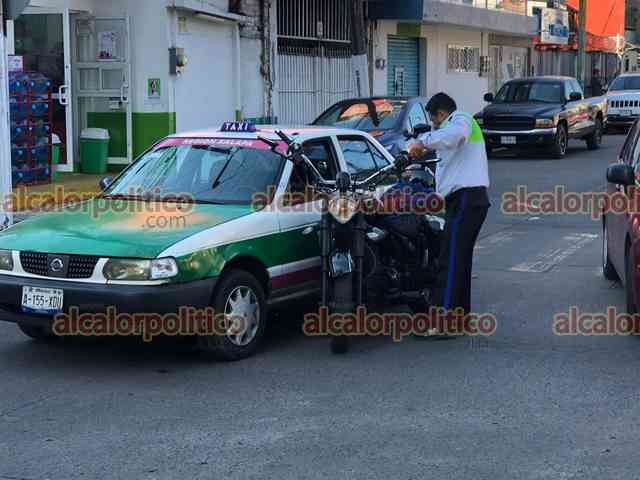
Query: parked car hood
x,y
532,109
123,228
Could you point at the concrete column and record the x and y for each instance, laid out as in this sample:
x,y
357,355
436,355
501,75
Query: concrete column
x,y
5,141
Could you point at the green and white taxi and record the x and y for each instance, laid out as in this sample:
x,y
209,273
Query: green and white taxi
x,y
210,220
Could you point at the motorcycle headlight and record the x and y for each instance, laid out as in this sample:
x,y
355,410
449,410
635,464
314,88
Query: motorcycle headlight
x,y
140,270
343,209
545,123
6,260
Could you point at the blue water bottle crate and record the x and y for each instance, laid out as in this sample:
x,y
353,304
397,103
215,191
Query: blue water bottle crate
x,y
38,84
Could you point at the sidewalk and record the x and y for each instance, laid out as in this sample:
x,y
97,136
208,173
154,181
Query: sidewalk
x,y
67,188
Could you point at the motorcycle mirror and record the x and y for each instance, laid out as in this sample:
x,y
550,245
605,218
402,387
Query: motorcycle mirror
x,y
421,129
343,182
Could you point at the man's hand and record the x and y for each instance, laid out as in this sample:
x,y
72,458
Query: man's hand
x,y
417,151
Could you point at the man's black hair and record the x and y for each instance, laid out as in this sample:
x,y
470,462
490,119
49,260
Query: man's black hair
x,y
441,101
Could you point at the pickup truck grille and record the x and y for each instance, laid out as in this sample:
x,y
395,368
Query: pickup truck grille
x,y
509,123
80,266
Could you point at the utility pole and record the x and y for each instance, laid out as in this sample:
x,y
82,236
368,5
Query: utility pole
x,y
582,44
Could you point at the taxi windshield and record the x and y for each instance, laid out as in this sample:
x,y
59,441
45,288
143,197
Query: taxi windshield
x,y
200,173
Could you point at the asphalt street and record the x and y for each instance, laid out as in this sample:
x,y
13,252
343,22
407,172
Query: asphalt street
x,y
521,404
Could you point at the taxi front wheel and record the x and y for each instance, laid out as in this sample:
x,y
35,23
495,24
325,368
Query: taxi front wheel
x,y
239,302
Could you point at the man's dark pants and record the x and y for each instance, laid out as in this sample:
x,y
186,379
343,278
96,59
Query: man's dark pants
x,y
466,211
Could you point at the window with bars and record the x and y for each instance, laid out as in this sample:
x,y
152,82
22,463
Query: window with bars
x,y
463,59
328,20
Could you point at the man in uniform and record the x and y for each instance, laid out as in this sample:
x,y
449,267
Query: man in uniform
x,y
462,178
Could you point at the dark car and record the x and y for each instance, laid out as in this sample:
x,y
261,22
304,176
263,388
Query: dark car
x,y
542,112
621,238
393,121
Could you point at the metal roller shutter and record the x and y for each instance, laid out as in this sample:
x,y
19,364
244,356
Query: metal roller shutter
x,y
403,66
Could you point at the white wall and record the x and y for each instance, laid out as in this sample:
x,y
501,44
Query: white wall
x,y
205,94
253,86
149,49
467,89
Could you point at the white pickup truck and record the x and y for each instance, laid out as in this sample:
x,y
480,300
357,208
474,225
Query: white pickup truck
x,y
623,99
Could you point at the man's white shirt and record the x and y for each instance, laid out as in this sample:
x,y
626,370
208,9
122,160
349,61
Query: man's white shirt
x,y
463,154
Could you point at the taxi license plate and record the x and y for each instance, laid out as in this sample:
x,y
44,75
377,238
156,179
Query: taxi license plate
x,y
508,140
42,300
626,113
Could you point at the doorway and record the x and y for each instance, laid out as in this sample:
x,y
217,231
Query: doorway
x,y
88,61
101,81
40,40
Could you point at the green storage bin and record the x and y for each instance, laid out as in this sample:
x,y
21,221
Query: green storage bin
x,y
55,157
94,150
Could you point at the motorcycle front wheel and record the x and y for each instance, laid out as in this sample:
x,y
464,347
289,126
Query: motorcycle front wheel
x,y
342,304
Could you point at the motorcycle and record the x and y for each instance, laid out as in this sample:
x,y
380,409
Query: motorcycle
x,y
370,257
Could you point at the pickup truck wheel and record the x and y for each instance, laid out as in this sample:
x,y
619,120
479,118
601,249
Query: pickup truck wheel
x,y
240,298
559,149
39,334
595,139
608,270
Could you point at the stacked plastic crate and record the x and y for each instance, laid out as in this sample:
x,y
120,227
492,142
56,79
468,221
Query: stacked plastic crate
x,y
31,110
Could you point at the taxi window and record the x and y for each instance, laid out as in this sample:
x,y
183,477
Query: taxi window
x,y
359,157
320,152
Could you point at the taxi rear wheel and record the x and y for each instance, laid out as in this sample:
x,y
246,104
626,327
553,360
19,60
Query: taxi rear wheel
x,y
40,334
239,300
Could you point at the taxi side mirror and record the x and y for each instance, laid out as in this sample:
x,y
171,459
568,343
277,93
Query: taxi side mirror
x,y
105,183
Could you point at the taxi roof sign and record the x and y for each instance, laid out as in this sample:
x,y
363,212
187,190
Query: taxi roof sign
x,y
241,127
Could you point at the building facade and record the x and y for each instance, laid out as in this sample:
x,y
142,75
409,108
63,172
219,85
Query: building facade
x,y
463,48
143,69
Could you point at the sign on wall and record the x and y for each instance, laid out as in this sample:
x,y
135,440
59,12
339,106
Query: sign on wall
x,y
15,63
555,26
153,88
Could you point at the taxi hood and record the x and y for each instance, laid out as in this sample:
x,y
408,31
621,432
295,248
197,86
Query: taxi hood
x,y
116,228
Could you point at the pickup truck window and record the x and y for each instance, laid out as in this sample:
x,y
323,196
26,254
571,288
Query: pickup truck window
x,y
625,83
576,87
522,92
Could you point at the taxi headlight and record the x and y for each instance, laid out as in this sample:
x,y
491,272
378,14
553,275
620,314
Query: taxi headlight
x,y
545,123
6,260
140,270
343,209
